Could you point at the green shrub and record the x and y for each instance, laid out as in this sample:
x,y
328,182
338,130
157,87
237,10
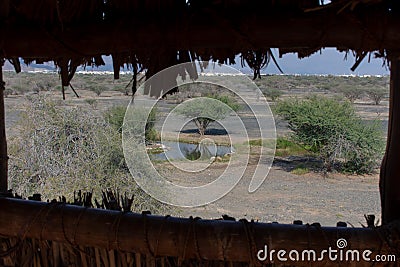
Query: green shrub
x,y
334,131
228,100
91,101
19,89
300,170
122,88
255,142
44,83
97,89
272,93
115,117
286,147
8,92
152,135
150,123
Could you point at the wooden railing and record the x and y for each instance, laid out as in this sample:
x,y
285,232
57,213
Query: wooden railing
x,y
84,229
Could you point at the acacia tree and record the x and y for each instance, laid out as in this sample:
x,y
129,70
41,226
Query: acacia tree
x,y
376,94
205,110
352,93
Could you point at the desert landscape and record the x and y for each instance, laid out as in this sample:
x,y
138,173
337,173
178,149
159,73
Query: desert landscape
x,y
297,187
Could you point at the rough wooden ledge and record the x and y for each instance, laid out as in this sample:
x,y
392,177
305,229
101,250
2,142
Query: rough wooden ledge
x,y
180,237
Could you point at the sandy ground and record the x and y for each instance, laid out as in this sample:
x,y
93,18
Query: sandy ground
x,y
285,197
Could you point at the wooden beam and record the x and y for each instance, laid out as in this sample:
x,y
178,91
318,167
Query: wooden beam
x,y
368,31
178,237
390,169
3,140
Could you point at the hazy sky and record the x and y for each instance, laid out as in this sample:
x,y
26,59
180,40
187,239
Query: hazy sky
x,y
329,61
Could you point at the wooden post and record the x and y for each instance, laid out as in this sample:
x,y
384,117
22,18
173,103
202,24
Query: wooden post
x,y
390,170
3,140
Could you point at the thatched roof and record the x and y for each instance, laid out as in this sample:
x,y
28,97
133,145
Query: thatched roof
x,y
157,34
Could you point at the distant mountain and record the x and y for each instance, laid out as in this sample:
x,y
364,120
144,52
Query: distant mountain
x,y
32,67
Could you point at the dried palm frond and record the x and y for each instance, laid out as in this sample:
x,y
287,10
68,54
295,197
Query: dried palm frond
x,y
258,60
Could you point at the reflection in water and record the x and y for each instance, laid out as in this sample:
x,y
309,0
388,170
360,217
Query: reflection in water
x,y
193,154
192,151
201,151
